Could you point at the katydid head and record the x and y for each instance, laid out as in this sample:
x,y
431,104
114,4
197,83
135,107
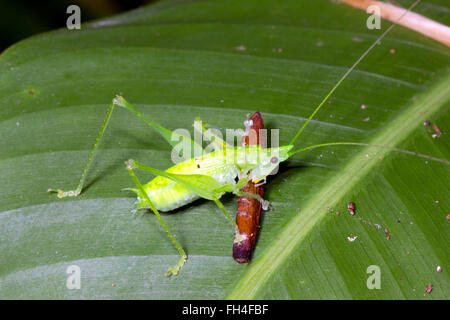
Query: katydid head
x,y
268,162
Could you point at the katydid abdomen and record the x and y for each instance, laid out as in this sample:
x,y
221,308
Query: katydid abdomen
x,y
167,195
224,166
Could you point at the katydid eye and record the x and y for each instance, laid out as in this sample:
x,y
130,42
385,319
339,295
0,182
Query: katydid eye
x,y
274,160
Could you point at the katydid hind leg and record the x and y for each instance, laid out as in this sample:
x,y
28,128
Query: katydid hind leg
x,y
171,137
183,256
120,101
79,189
204,186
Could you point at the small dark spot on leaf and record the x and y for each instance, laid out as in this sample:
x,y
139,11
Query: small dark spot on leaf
x,y
386,232
438,131
351,208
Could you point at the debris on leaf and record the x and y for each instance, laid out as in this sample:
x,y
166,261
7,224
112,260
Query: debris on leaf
x,y
427,123
438,269
351,208
438,131
351,239
386,232
429,288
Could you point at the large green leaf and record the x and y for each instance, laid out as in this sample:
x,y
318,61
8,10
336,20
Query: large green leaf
x,y
220,60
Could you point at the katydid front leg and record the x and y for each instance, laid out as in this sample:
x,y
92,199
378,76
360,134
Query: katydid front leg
x,y
236,189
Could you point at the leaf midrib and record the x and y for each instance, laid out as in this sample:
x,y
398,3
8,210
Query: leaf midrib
x,y
395,132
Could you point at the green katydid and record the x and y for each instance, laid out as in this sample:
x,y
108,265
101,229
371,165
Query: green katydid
x,y
226,169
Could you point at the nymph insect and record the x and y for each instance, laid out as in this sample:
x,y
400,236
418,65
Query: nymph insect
x,y
226,169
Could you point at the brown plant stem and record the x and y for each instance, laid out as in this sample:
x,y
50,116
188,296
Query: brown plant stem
x,y
249,209
411,20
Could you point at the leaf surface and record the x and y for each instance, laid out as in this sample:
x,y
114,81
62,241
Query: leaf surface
x,y
219,60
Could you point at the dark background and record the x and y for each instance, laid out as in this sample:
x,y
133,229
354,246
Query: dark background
x,y
20,19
